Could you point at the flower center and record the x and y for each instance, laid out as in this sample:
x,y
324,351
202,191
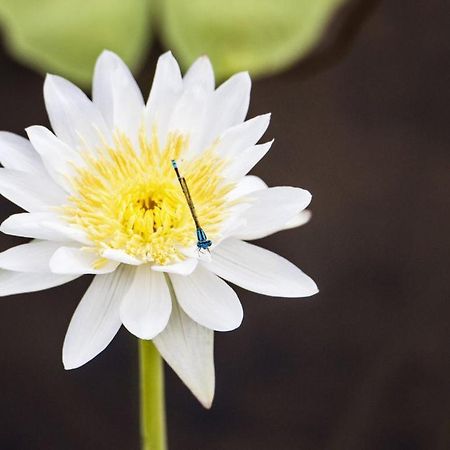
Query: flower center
x,y
130,199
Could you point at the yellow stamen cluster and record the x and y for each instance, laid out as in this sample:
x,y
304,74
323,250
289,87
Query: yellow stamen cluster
x,y
129,198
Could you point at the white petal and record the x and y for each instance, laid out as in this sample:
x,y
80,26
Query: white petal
x,y
58,157
185,267
74,118
229,228
232,99
208,300
189,349
117,94
80,261
242,136
166,88
19,282
72,232
43,225
200,72
31,225
30,192
146,307
31,257
247,185
188,117
17,153
228,106
242,164
96,319
260,270
271,210
121,257
300,219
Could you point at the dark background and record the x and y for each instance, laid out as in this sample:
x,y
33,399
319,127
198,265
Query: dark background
x,y
362,365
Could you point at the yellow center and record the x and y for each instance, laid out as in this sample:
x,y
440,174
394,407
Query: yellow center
x,y
130,199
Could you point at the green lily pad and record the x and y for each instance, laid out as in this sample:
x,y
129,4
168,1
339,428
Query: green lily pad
x,y
66,36
262,36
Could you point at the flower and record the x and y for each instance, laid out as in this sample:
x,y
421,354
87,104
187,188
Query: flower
x,y
101,197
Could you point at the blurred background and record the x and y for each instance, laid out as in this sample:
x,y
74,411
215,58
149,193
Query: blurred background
x,y
361,119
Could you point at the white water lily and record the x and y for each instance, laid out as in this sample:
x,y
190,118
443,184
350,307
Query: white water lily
x,y
101,197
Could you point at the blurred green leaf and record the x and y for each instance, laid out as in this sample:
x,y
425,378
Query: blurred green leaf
x,y
263,36
66,36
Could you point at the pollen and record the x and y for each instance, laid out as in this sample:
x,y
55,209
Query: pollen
x,y
127,197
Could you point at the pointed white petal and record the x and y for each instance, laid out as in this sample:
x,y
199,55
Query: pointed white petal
x,y
166,88
43,225
72,232
12,282
232,99
189,114
260,270
74,118
201,73
185,267
17,153
300,219
228,106
271,210
167,78
59,159
146,307
208,300
31,257
31,225
29,192
96,319
242,136
188,348
229,228
117,95
71,260
242,164
247,185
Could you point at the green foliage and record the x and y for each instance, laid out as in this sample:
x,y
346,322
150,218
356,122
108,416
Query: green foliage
x,y
65,36
262,36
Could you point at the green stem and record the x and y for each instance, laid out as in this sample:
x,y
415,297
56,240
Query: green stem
x,y
153,415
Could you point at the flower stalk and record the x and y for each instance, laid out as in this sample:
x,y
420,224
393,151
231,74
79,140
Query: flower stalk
x,y
153,414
